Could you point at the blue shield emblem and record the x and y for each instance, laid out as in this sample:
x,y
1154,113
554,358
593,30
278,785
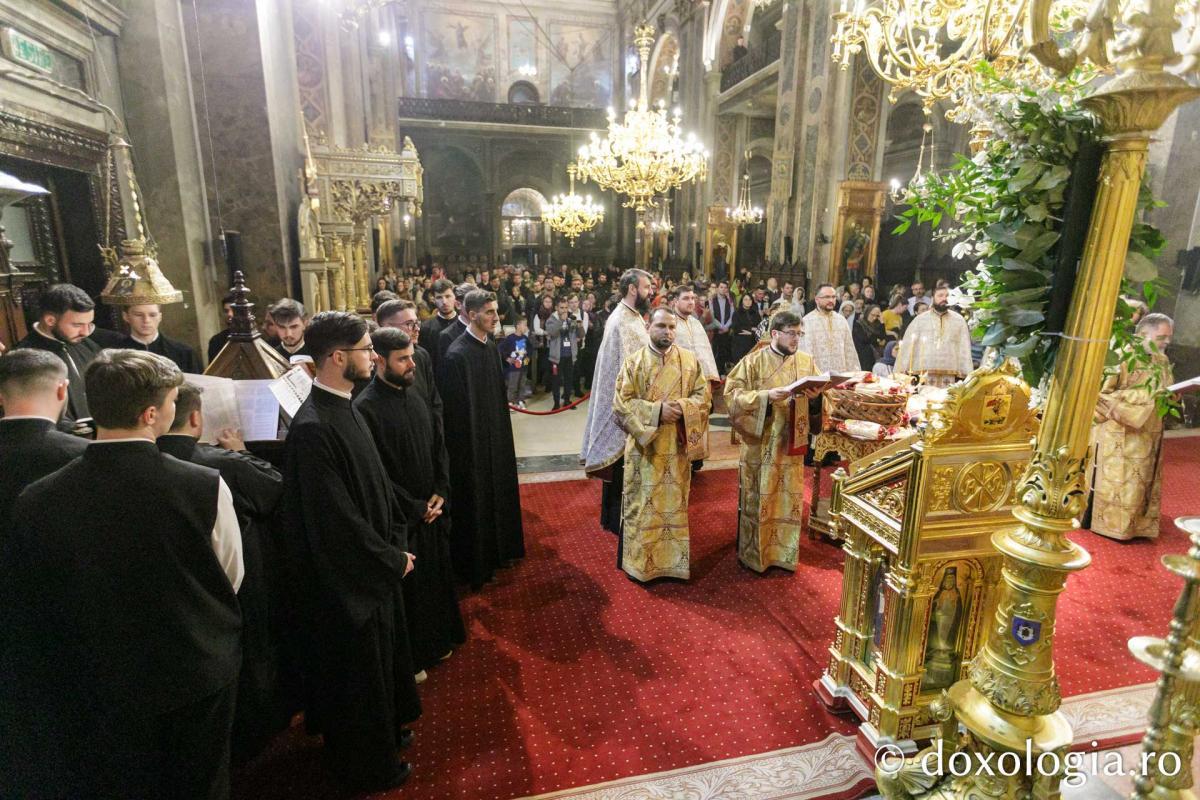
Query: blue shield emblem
x,y
1026,631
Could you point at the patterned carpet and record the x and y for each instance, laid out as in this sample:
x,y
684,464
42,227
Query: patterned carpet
x,y
575,676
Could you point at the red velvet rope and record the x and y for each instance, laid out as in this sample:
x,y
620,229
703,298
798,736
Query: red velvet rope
x,y
548,413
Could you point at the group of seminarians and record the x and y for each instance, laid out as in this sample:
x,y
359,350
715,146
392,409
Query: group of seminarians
x,y
141,573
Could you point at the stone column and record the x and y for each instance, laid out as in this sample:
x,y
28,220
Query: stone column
x,y
152,56
817,127
243,72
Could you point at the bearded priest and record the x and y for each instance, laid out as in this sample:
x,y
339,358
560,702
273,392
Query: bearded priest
x,y
661,402
772,422
937,344
603,441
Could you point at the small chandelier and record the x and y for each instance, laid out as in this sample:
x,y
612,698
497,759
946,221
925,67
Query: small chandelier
x,y
899,192
645,155
662,223
744,214
570,214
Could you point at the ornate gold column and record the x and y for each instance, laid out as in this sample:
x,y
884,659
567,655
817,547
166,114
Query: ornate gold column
x,y
1012,697
323,288
362,285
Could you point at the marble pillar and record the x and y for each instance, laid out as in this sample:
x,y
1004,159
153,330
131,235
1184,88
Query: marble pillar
x,y
155,78
243,69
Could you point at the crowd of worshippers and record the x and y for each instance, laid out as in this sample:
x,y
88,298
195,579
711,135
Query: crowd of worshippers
x,y
167,606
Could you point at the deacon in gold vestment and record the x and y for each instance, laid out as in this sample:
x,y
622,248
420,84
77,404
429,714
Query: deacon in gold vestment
x,y
771,476
661,402
1127,438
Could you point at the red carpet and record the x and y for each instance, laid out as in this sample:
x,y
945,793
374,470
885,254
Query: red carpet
x,y
575,675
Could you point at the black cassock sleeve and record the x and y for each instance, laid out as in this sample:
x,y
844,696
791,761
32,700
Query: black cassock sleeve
x,y
352,560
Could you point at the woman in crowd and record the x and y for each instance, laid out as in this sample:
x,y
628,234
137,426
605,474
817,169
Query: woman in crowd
x,y
745,325
869,337
541,367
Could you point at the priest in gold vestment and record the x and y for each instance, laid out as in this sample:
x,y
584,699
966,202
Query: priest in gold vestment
x,y
827,337
661,402
771,477
1127,436
937,344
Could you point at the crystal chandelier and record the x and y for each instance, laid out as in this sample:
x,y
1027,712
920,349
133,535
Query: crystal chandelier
x,y
933,47
662,223
744,214
645,155
570,214
899,192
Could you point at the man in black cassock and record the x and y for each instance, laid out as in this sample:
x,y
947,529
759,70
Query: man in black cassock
x,y
454,330
121,624
447,314
217,341
402,314
144,322
349,550
256,487
486,523
66,318
33,391
410,443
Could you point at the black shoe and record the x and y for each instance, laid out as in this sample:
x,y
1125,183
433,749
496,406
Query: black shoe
x,y
406,738
402,773
556,407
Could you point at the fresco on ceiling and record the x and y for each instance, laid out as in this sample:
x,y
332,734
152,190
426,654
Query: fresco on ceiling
x,y
522,44
460,56
580,65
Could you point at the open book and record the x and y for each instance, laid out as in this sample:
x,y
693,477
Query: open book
x,y
823,381
246,405
1184,387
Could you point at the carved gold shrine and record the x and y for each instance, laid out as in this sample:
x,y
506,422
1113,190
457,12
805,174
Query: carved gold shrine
x,y
350,193
920,577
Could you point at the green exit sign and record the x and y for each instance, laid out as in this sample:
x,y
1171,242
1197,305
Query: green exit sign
x,y
31,53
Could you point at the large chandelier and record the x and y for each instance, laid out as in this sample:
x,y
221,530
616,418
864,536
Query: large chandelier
x,y
933,48
645,155
744,214
570,214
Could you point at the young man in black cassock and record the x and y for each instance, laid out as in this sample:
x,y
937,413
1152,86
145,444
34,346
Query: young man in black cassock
x,y
33,391
66,319
447,315
144,322
402,314
350,552
452,331
486,523
121,619
256,487
410,443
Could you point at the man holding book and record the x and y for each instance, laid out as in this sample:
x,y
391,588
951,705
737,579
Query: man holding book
x,y
767,395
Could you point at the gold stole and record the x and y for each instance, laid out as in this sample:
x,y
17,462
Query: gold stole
x,y
797,439
671,375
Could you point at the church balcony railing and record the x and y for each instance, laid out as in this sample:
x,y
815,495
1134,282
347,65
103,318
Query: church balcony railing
x,y
501,113
757,59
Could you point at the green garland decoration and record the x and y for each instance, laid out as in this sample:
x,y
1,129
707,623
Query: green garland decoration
x,y
1003,208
